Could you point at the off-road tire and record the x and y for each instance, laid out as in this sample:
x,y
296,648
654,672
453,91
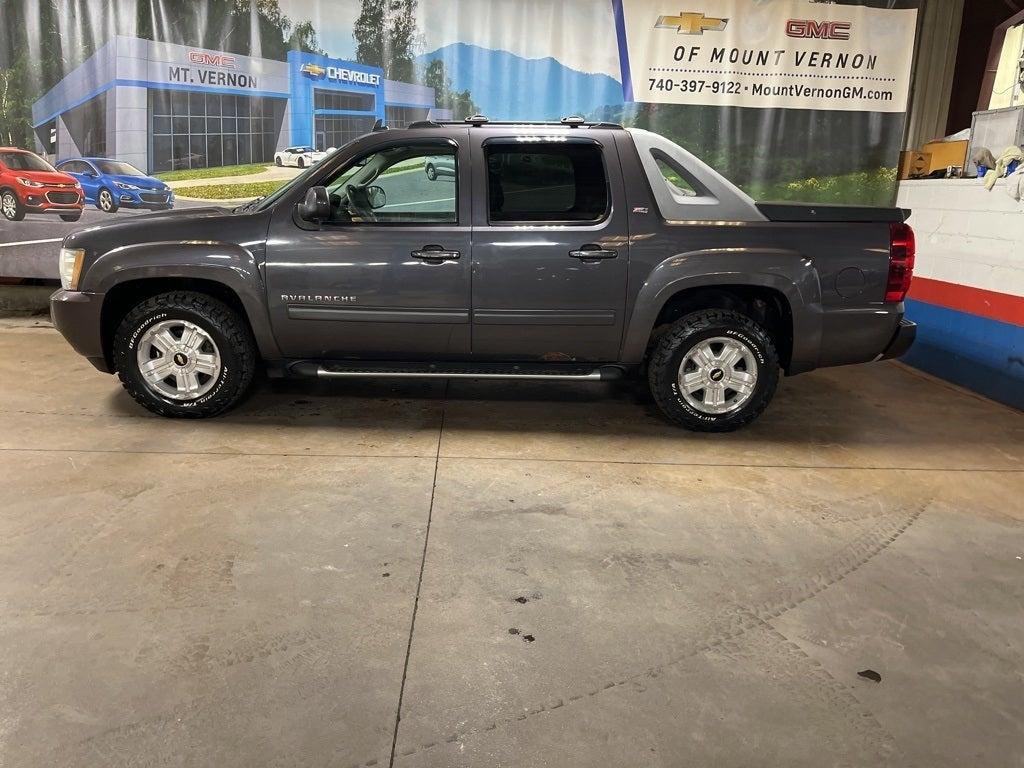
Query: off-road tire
x,y
226,327
675,343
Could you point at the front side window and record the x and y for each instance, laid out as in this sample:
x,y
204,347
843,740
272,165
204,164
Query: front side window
x,y
398,185
546,182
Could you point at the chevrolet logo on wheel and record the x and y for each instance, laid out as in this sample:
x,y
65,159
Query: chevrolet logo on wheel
x,y
313,70
691,23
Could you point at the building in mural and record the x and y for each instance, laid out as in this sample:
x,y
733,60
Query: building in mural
x,y
162,106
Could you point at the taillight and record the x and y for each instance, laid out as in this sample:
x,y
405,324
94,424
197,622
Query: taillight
x,y
901,261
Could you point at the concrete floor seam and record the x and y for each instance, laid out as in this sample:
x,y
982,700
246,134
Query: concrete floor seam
x,y
699,465
739,621
419,585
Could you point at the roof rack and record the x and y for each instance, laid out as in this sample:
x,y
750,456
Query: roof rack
x,y
478,121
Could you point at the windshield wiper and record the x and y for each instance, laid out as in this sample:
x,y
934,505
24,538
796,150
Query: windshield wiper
x,y
248,206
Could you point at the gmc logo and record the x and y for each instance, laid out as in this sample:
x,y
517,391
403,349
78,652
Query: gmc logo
x,y
821,30
212,59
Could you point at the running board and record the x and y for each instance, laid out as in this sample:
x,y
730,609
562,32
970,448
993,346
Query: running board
x,y
528,372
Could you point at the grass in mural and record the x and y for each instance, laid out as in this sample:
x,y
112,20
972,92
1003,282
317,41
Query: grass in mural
x,y
212,173
231,191
875,187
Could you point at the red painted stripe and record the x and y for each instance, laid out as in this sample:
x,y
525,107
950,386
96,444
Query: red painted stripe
x,y
975,301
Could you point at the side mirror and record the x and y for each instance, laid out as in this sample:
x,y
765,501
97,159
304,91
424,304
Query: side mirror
x,y
317,205
376,197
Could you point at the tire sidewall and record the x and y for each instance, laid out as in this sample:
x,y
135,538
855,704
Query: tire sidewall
x,y
767,375
129,336
19,209
431,172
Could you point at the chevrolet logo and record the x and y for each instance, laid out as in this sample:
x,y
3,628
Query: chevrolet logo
x,y
313,70
691,23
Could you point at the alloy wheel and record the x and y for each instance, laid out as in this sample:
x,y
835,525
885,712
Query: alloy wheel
x,y
178,360
9,205
718,375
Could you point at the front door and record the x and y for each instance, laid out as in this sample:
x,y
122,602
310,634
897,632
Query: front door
x,y
549,250
388,275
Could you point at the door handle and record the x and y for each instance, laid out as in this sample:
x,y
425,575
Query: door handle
x,y
435,254
593,251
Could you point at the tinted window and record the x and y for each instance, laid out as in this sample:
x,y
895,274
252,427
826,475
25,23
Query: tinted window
x,y
24,161
676,183
398,185
118,168
546,182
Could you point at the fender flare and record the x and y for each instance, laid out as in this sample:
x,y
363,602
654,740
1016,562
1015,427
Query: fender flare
x,y
228,264
788,272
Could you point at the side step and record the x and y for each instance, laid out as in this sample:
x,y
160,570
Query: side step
x,y
522,371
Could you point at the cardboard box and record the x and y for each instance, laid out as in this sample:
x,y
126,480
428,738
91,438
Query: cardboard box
x,y
945,154
914,164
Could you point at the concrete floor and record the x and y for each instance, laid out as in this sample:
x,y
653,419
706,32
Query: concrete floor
x,y
535,575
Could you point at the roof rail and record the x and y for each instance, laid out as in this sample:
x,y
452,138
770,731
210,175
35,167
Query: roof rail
x,y
478,121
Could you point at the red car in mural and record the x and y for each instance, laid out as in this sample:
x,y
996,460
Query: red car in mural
x,y
29,184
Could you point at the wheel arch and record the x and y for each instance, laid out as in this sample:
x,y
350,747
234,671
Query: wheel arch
x,y
786,300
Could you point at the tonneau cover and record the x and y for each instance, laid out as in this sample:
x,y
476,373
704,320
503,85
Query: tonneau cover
x,y
833,213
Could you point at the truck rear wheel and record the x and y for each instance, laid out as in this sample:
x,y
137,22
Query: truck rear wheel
x,y
713,371
185,355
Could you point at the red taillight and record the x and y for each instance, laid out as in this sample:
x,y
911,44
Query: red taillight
x,y
901,261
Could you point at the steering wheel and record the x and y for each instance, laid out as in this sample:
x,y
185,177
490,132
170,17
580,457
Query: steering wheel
x,y
355,194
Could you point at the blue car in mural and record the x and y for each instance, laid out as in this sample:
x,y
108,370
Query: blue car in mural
x,y
112,184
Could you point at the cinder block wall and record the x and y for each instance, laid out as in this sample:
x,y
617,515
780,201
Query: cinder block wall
x,y
967,296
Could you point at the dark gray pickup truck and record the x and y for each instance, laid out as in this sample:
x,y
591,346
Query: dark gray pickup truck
x,y
557,251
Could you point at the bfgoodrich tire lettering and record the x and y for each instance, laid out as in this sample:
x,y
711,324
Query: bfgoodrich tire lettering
x,y
229,331
687,333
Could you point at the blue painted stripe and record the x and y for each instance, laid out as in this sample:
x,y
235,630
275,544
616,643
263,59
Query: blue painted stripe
x,y
984,355
160,87
357,112
407,104
620,34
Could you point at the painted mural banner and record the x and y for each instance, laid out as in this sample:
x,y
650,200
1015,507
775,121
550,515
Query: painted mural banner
x,y
149,105
787,54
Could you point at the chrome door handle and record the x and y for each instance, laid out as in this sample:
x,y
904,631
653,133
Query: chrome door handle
x,y
593,251
435,254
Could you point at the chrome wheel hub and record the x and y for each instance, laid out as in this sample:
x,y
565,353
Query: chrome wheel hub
x,y
178,359
718,375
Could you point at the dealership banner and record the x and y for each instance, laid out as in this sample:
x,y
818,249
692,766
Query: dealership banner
x,y
779,54
116,108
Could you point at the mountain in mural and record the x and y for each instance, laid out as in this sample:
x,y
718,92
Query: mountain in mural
x,y
509,87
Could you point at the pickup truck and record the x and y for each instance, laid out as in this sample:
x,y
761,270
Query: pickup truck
x,y
558,251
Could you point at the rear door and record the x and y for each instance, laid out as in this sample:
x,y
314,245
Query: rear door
x,y
549,247
387,276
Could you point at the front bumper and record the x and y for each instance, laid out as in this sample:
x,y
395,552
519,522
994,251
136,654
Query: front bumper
x,y
151,199
51,200
77,315
901,340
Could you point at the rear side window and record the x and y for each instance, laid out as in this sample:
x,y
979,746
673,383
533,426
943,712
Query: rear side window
x,y
546,182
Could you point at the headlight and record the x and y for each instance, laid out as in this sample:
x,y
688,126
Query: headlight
x,y
122,185
70,267
29,182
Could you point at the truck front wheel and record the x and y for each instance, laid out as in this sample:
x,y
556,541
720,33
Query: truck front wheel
x,y
713,371
184,354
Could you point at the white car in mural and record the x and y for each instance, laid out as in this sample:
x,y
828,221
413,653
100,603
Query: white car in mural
x,y
300,157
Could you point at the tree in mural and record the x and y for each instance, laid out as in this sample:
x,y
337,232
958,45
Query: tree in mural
x,y
386,36
459,102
